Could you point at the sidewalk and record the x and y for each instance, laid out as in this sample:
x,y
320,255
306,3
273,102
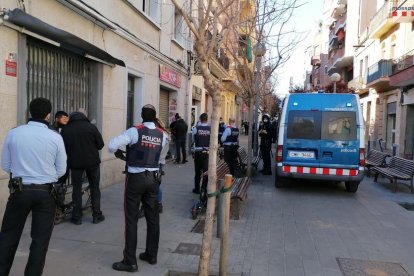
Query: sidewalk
x,y
298,230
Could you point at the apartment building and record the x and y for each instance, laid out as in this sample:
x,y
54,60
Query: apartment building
x,y
107,58
382,73
342,38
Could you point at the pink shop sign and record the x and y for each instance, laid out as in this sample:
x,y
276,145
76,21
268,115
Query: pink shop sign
x,y
170,76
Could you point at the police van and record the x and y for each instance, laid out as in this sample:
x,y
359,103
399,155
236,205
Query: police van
x,y
321,137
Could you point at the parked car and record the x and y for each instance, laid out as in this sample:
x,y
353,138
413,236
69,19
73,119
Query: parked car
x,y
321,137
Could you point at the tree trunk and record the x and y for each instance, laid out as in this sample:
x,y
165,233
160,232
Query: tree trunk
x,y
205,256
250,139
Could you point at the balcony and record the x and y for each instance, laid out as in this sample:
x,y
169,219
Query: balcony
x,y
339,9
316,60
382,21
378,75
358,84
403,70
402,15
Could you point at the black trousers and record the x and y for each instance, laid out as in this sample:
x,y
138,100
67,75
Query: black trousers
x,y
93,175
230,156
200,166
180,146
141,187
265,152
19,205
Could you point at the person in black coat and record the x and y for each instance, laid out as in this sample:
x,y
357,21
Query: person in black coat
x,y
180,130
268,136
83,142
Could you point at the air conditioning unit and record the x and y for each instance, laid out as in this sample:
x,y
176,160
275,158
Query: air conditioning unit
x,y
400,65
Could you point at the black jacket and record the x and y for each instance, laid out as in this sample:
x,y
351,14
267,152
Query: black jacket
x,y
180,129
82,142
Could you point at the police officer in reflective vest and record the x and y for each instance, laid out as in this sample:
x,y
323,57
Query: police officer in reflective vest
x,y
230,139
144,144
201,138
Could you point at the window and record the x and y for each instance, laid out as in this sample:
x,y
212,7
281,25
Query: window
x,y
178,27
361,66
366,66
304,125
130,102
338,126
150,7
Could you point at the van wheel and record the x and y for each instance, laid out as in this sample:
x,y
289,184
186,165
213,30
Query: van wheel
x,y
280,182
351,186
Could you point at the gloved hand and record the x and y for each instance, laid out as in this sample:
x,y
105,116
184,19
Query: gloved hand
x,y
120,154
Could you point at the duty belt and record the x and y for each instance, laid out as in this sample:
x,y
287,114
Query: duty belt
x,y
39,187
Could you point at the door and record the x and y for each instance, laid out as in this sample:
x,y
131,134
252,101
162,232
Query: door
x,y
339,139
163,107
302,138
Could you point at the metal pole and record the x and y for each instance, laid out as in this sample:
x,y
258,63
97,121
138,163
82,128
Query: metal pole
x,y
228,180
256,105
334,83
220,211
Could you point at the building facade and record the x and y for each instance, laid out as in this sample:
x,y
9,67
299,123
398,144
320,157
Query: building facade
x,y
85,55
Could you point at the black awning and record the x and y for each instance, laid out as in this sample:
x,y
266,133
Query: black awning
x,y
67,40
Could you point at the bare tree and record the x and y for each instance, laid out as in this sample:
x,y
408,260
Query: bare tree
x,y
218,23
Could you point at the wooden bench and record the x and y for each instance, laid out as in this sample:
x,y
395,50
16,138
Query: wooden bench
x,y
239,191
398,169
242,153
375,158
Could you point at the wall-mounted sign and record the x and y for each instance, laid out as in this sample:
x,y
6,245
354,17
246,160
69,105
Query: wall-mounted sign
x,y
197,93
11,68
170,76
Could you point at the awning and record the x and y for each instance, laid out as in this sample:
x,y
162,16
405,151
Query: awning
x,y
66,40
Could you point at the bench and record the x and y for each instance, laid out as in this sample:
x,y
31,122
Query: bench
x,y
242,153
375,158
398,169
239,190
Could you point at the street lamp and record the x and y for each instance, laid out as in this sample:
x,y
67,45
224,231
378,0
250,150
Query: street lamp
x,y
259,50
335,77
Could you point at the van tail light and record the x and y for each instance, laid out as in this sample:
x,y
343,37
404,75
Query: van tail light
x,y
362,157
279,153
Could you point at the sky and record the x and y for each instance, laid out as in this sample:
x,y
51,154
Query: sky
x,y
304,19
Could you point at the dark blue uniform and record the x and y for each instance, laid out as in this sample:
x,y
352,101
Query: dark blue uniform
x,y
230,141
201,146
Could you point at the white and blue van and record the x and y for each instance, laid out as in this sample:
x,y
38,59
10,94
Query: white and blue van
x,y
321,137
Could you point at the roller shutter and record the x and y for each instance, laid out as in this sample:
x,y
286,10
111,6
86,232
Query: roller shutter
x,y
163,107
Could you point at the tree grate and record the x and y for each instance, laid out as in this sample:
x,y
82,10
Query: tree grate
x,y
355,267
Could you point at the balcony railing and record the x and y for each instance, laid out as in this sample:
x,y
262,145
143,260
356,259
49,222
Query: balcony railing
x,y
223,59
358,83
403,62
381,69
384,13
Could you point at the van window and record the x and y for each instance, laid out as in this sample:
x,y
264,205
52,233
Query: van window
x,y
338,125
304,125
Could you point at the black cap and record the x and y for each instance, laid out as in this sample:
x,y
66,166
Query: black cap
x,y
61,113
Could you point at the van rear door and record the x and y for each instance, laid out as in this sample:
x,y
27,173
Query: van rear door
x,y
301,147
339,142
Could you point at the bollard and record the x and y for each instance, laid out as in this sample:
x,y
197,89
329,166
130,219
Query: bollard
x,y
228,179
220,211
394,149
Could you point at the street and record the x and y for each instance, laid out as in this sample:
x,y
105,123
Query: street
x,y
298,230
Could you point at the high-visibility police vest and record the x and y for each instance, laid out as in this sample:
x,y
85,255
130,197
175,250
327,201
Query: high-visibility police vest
x,y
145,153
202,137
234,135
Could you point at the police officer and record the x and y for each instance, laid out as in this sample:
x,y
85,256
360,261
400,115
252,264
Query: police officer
x,y
222,127
268,136
35,157
144,144
201,138
230,141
